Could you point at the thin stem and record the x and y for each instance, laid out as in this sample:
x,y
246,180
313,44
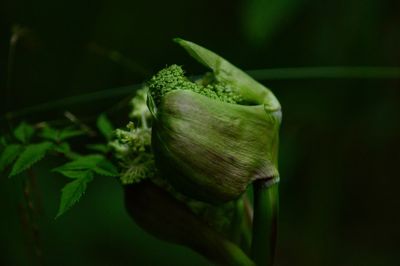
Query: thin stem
x,y
120,59
265,222
87,129
31,214
258,74
73,100
237,221
144,121
330,72
11,58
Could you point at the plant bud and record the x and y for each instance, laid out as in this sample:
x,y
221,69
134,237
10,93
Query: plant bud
x,y
212,140
211,150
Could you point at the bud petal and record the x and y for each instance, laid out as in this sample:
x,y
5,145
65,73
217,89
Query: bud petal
x,y
212,138
211,150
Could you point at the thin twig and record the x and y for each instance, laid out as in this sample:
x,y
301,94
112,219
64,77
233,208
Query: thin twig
x,y
24,219
11,59
31,213
37,195
73,100
120,59
71,117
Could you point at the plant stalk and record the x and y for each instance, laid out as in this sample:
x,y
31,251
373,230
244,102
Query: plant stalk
x,y
265,223
166,218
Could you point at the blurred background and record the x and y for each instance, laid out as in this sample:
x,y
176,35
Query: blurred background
x,y
340,137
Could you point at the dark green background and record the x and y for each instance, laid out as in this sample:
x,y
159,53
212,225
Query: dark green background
x,y
340,138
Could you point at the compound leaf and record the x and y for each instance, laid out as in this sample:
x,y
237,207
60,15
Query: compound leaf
x,y
88,162
72,192
9,154
24,132
106,168
31,154
105,126
68,133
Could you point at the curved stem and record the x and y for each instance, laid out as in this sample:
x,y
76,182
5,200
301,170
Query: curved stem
x,y
166,218
266,202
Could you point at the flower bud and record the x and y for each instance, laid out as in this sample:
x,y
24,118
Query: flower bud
x,y
212,140
212,150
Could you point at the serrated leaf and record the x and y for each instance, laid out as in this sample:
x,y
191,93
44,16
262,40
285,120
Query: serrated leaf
x,y
95,163
59,135
68,133
140,170
32,154
103,148
72,192
72,173
9,154
106,168
88,162
3,141
49,133
105,126
24,132
63,148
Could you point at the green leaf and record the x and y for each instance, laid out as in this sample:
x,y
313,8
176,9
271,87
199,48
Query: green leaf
x,y
49,133
95,163
32,154
73,173
88,162
72,192
9,154
63,148
60,135
106,168
103,148
3,141
105,126
24,132
136,172
68,133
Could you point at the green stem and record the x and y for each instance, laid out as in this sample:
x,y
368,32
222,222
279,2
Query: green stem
x,y
338,72
329,72
266,202
163,216
74,100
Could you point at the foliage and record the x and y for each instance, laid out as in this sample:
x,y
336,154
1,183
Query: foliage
x,y
135,152
31,143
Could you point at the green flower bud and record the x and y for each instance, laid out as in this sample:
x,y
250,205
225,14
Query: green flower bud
x,y
212,139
